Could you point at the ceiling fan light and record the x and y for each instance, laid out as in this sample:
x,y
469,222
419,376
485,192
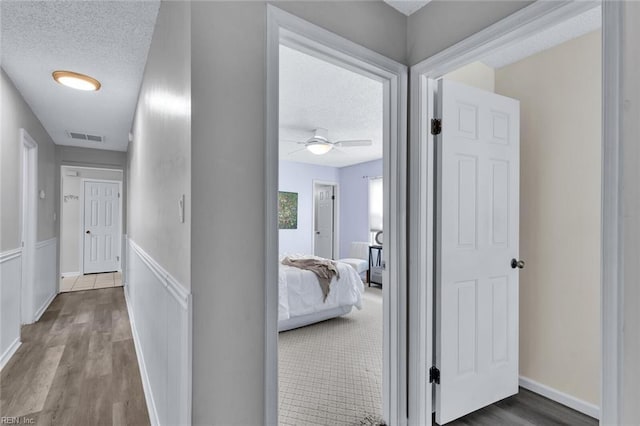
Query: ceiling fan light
x,y
319,148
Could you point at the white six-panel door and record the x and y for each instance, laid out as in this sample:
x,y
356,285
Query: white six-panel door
x,y
477,238
101,226
324,226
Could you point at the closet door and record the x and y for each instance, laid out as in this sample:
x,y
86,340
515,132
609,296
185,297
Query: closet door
x,y
477,212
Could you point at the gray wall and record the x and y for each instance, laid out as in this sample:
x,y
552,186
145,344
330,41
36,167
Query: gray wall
x,y
442,23
228,139
631,210
159,158
17,114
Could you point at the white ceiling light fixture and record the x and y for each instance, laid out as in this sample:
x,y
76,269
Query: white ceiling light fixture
x,y
319,143
76,80
318,147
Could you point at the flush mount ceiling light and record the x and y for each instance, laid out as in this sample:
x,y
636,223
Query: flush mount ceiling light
x,y
76,80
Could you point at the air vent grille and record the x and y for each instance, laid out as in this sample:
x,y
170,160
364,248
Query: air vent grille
x,y
85,137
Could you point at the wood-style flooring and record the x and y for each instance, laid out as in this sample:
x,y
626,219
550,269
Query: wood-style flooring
x,y
77,365
525,409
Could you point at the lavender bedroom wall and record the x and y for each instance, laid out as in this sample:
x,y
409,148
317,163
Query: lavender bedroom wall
x,y
299,177
354,202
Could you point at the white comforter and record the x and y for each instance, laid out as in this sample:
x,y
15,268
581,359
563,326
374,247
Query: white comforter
x,y
300,293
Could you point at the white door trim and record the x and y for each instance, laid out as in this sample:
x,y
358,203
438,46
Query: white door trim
x,y
81,224
612,284
285,28
509,31
28,222
336,214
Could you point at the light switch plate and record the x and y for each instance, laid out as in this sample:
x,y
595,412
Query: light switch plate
x,y
181,208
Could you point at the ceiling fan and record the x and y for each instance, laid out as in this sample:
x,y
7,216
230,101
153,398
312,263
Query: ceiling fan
x,y
319,143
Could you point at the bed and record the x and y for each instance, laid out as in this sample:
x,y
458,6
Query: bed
x,y
301,300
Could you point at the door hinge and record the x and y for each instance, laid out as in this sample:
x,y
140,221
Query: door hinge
x,y
434,375
436,126
118,195
333,197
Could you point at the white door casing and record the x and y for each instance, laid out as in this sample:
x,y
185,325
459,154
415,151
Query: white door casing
x,y
29,218
101,226
477,237
324,207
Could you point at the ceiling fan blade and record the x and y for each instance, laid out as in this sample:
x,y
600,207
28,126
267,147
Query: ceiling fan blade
x,y
297,150
354,143
291,140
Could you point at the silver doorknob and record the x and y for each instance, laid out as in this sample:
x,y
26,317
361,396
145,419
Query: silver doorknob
x,y
517,264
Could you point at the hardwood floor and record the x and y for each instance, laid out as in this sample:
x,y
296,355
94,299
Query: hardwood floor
x,y
77,365
525,409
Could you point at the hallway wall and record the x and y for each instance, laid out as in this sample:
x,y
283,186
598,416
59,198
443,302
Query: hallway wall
x,y
228,157
159,157
15,114
157,276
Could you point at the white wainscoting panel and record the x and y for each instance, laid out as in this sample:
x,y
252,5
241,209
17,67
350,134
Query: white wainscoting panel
x,y
10,278
45,284
160,314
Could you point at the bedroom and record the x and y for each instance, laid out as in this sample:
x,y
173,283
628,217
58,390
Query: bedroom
x,y
330,207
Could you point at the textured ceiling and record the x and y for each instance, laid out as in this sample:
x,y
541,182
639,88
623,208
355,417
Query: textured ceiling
x,y
407,6
554,36
315,93
108,40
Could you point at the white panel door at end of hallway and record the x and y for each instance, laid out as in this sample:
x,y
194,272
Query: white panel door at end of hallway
x,y
478,160
324,200
101,226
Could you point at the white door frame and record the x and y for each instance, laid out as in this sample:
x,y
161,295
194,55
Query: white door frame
x,y
81,224
511,30
28,222
292,31
336,214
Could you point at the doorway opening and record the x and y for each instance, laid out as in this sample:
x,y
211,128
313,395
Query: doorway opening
x,y
336,329
29,218
91,211
318,146
505,191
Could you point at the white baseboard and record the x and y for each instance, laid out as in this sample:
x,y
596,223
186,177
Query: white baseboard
x,y
11,350
44,307
70,274
146,384
560,397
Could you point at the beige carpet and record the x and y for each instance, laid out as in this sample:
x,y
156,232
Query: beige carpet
x,y
331,372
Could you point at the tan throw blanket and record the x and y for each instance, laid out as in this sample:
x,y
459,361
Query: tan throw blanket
x,y
324,269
